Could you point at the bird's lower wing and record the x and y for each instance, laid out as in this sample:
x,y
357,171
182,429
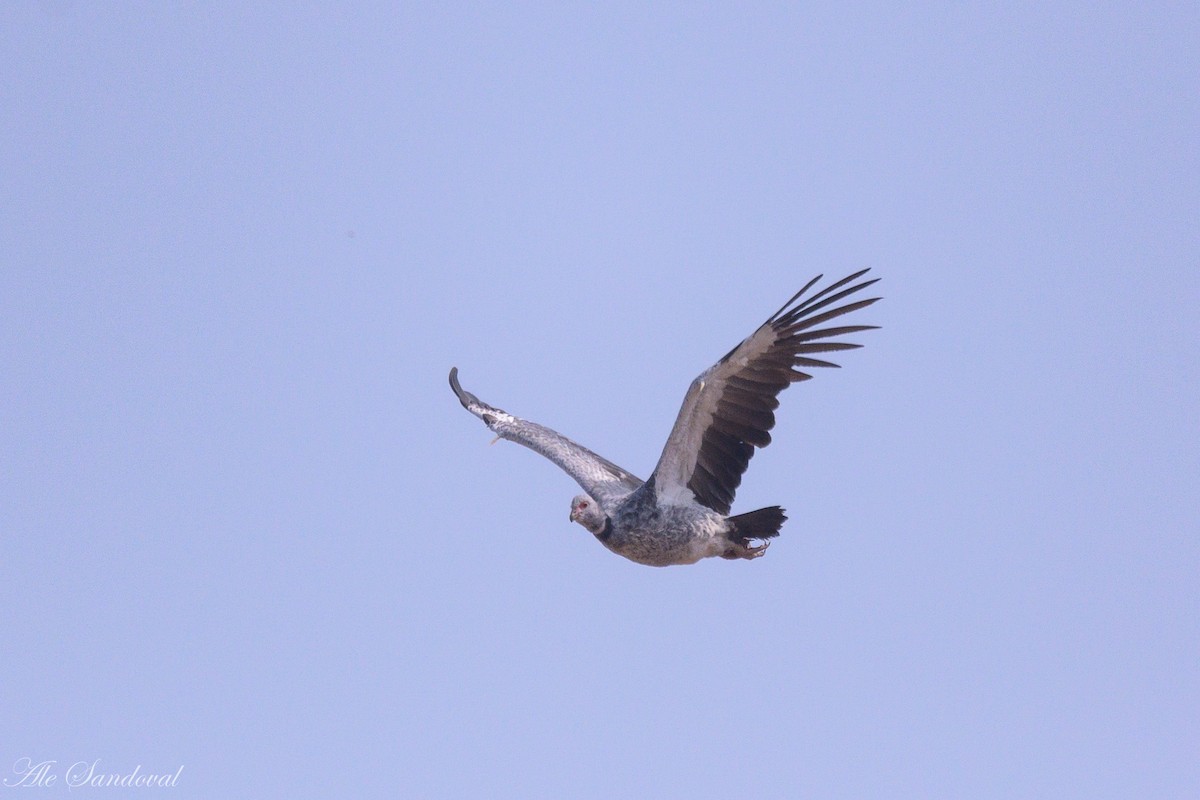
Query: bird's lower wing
x,y
598,476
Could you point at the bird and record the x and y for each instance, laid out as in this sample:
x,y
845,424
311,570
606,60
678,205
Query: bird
x,y
680,514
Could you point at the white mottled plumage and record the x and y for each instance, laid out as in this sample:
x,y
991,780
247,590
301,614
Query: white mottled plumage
x,y
679,515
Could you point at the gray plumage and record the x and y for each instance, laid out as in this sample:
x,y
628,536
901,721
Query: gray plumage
x,y
679,515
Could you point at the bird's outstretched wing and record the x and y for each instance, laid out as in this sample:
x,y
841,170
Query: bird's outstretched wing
x,y
729,409
598,476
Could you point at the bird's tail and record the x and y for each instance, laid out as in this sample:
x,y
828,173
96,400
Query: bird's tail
x,y
761,524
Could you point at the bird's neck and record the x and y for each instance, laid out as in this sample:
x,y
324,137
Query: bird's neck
x,y
607,531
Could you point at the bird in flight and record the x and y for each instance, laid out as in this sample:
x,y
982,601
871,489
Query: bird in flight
x,y
681,514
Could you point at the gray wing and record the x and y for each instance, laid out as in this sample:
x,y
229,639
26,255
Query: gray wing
x,y
729,409
598,476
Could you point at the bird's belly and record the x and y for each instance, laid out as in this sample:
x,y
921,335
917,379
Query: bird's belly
x,y
652,554
665,538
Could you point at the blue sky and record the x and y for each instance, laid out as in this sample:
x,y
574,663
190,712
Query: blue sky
x,y
247,530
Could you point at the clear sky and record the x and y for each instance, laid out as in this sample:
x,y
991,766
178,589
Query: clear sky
x,y
248,531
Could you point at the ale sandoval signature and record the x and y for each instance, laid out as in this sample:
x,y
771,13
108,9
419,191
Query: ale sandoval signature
x,y
27,772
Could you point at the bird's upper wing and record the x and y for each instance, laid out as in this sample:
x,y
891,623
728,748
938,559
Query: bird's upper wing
x,y
729,409
598,476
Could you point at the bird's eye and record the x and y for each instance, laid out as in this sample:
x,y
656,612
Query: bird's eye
x,y
583,505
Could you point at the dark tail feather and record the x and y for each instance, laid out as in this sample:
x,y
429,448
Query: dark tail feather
x,y
761,524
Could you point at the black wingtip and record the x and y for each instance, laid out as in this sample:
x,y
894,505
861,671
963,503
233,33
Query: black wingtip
x,y
464,397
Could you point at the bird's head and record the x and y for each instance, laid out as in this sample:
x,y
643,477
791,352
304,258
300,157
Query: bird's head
x,y
587,513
